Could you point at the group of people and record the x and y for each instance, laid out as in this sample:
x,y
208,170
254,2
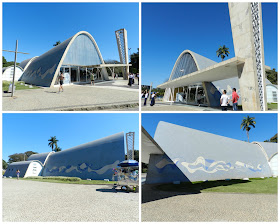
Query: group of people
x,y
131,79
146,95
224,100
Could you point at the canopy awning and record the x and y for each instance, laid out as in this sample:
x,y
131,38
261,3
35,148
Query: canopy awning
x,y
223,70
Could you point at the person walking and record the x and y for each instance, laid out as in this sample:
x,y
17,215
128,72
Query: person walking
x,y
235,98
153,99
224,100
18,172
146,94
91,79
61,78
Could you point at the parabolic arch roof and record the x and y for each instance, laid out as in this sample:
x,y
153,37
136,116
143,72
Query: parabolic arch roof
x,y
24,64
204,156
189,62
94,160
269,148
80,49
42,157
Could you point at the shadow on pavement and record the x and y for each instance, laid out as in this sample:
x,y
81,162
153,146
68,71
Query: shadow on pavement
x,y
150,192
160,191
111,190
51,91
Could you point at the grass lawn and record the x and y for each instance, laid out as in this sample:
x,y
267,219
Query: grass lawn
x,y
253,186
85,182
272,106
5,86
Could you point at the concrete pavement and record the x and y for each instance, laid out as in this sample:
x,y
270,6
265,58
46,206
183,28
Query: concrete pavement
x,y
160,206
109,95
165,106
33,201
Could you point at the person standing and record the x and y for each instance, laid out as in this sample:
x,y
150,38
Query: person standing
x,y
91,79
61,78
133,77
18,172
235,98
224,100
146,94
130,79
153,99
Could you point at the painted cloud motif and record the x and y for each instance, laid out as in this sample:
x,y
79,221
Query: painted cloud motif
x,y
84,167
208,165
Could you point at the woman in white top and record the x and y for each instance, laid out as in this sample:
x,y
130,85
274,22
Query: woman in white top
x,y
224,101
146,97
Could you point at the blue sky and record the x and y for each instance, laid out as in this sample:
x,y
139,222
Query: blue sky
x,y
25,132
170,28
37,26
227,125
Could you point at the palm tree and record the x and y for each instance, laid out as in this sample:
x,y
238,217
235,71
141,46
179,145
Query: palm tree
x,y
246,123
57,43
57,149
223,52
53,142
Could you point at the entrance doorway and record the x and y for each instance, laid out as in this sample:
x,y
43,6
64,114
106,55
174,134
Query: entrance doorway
x,y
193,95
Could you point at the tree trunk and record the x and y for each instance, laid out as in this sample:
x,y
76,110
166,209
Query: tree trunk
x,y
248,135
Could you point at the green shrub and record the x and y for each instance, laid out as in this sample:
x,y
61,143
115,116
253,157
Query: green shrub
x,y
57,178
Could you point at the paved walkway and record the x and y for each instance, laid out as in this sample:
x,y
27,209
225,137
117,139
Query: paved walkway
x,y
164,106
32,201
102,96
207,207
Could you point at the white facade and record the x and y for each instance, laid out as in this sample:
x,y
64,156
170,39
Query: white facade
x,y
272,93
34,169
8,73
274,165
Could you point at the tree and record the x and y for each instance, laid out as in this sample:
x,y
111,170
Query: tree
x,y
117,70
4,62
29,153
222,52
271,75
4,164
159,91
273,139
16,157
53,142
20,156
246,123
134,61
57,43
57,149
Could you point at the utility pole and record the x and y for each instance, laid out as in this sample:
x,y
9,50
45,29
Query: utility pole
x,y
15,64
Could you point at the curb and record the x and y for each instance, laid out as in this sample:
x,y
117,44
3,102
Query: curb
x,y
91,108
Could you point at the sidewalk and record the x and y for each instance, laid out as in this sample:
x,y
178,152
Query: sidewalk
x,y
102,96
166,106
